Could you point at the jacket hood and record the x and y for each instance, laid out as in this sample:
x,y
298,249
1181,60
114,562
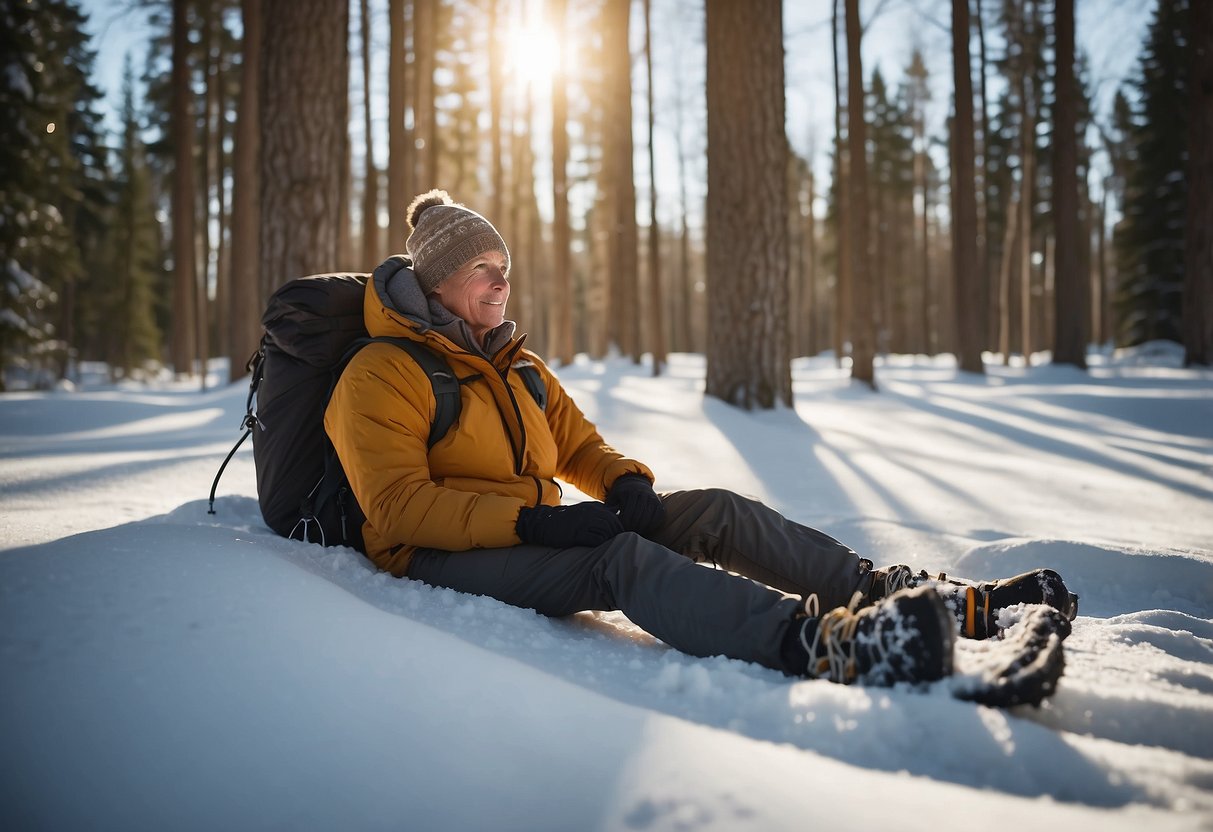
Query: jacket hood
x,y
395,302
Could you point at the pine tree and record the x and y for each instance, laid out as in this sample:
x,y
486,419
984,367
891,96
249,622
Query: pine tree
x,y
891,138
748,361
129,283
51,175
1150,240
1072,299
965,272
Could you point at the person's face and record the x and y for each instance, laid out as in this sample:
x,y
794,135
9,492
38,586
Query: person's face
x,y
477,291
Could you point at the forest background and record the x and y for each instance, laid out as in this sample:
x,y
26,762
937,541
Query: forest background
x,y
973,177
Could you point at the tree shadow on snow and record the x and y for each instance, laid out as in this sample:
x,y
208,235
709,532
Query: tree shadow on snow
x,y
926,733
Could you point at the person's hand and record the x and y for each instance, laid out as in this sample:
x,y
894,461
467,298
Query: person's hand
x,y
581,524
640,509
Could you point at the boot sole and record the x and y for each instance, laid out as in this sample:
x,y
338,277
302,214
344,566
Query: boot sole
x,y
1023,665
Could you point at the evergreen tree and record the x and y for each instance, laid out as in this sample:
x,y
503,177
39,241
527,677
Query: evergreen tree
x,y
890,139
49,153
128,301
1150,239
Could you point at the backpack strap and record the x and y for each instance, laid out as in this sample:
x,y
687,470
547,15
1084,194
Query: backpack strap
x,y
442,379
533,382
256,368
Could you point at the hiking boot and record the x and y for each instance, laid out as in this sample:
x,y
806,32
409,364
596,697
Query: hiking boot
x,y
907,637
976,605
1022,665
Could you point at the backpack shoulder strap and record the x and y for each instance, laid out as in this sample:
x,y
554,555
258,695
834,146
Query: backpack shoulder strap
x,y
533,381
444,382
442,379
534,385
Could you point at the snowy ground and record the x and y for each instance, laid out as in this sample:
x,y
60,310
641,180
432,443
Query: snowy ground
x,y
166,669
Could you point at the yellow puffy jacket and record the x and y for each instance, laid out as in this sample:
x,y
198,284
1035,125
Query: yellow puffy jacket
x,y
503,453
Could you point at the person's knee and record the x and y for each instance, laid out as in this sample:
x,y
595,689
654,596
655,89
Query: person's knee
x,y
631,551
706,499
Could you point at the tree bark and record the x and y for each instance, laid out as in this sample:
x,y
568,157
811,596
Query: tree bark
x,y
223,268
863,336
249,292
560,322
685,300
304,99
1198,240
185,343
400,155
424,149
623,259
205,168
656,305
1027,181
496,85
748,362
968,306
1072,307
842,231
371,252
983,215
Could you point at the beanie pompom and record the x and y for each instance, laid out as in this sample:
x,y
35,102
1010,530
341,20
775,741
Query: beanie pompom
x,y
426,200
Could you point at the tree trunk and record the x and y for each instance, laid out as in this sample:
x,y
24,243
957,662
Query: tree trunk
x,y
205,167
521,188
249,291
185,339
1198,241
1004,278
1027,189
399,154
747,227
1102,305
496,85
656,304
223,271
560,322
809,302
842,232
863,337
623,261
216,178
304,99
1071,308
983,215
965,278
371,252
686,294
424,25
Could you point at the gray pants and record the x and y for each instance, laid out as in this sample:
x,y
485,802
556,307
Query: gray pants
x,y
656,583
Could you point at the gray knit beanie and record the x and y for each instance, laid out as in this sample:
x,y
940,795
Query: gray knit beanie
x,y
445,236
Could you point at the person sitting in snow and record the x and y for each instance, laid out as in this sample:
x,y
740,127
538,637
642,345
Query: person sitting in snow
x,y
481,511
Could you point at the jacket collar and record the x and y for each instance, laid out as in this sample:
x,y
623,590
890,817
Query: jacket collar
x,y
397,290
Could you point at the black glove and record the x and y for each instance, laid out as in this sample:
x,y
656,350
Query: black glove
x,y
640,508
581,524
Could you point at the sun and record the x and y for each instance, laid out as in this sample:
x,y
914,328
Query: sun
x,y
533,56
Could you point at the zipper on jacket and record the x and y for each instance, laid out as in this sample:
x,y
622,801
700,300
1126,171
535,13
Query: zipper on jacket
x,y
518,451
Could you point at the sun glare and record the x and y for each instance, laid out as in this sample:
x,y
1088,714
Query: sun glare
x,y
533,57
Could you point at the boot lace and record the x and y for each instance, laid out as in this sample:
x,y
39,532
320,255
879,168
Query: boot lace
x,y
835,636
901,577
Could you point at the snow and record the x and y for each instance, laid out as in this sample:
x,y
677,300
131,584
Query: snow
x,y
168,669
